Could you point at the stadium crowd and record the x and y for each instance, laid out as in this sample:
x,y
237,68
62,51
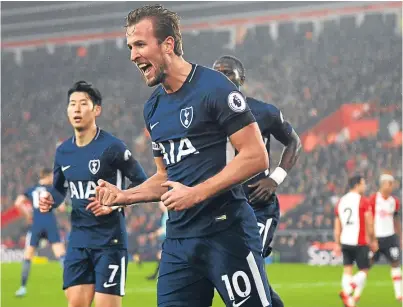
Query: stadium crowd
x,y
307,74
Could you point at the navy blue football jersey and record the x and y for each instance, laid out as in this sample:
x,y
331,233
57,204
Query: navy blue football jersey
x,y
39,218
78,169
189,130
271,122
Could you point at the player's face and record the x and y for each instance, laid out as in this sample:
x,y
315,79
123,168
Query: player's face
x,y
229,70
146,52
387,186
362,186
81,111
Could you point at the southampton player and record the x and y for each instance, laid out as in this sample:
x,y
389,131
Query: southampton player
x,y
261,189
96,259
195,115
43,226
385,209
353,227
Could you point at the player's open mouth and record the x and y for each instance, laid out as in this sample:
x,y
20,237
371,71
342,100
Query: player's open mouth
x,y
77,118
145,68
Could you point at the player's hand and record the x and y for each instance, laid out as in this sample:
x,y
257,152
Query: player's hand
x,y
180,197
108,194
45,201
263,189
374,246
97,208
337,250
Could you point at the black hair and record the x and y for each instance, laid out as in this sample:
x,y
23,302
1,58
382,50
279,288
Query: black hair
x,y
237,62
353,181
83,86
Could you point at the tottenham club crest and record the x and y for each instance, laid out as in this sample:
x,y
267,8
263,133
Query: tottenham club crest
x,y
186,116
94,166
236,102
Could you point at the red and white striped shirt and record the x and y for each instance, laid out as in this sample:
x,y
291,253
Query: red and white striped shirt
x,y
351,211
383,210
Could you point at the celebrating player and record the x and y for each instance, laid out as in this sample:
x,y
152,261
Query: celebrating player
x,y
385,208
261,189
194,116
43,226
96,259
352,226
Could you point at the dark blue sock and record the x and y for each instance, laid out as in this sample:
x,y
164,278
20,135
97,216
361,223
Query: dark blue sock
x,y
26,267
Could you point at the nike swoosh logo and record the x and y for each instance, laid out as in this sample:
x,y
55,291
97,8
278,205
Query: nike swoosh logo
x,y
152,126
65,167
106,285
240,303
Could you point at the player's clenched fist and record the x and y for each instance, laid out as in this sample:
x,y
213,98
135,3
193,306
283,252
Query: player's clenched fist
x,y
180,197
108,194
45,201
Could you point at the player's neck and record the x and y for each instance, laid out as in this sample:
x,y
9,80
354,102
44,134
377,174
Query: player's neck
x,y
384,194
83,138
176,74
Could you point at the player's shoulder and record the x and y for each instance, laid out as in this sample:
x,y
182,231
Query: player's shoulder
x,y
267,107
211,78
112,141
66,145
151,103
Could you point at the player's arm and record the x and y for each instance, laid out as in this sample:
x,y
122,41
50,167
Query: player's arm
x,y
150,190
337,232
286,135
369,224
397,220
230,111
20,202
56,195
251,159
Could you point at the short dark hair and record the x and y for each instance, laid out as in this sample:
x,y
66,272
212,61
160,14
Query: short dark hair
x,y
44,172
166,23
236,61
83,86
354,180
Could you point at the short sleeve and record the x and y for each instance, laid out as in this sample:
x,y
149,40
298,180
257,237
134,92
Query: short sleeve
x,y
372,203
276,125
397,205
336,209
227,106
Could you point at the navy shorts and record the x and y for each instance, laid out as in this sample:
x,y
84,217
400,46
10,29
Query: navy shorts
x,y
267,220
48,231
106,268
229,261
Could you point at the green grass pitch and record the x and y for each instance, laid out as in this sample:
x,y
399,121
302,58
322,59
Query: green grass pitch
x,y
299,285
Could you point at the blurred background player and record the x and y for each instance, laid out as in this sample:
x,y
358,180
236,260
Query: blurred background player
x,y
261,189
353,226
160,234
193,116
96,258
388,229
43,226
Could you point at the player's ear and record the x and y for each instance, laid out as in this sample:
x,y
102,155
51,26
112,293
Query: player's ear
x,y
98,110
168,45
242,81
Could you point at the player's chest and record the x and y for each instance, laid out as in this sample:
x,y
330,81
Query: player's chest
x,y
178,119
384,207
86,166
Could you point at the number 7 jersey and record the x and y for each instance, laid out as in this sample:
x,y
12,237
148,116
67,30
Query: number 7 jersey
x,y
351,211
